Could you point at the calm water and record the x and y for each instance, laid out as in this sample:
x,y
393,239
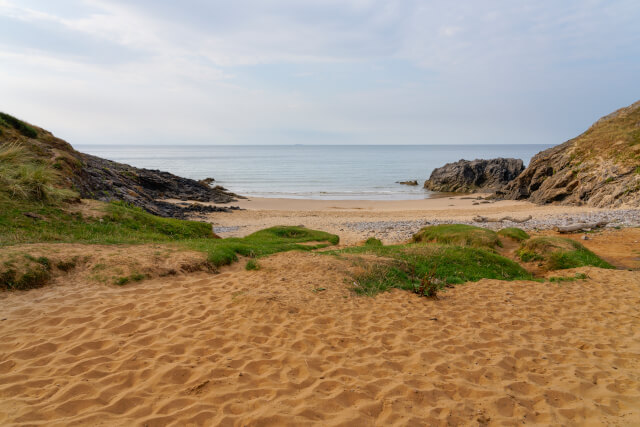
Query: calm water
x,y
307,171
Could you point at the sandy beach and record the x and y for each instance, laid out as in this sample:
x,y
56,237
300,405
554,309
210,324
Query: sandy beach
x,y
262,348
392,221
291,344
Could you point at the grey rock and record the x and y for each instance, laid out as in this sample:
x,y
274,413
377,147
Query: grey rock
x,y
107,180
466,176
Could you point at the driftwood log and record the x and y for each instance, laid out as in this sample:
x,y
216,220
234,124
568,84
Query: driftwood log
x,y
504,218
579,226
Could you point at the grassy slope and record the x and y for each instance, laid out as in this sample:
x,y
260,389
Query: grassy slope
x,y
124,224
616,136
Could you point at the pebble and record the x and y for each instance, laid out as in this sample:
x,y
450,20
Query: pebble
x,y
404,230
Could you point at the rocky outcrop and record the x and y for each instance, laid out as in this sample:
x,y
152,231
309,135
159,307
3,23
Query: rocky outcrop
x,y
410,182
466,176
599,168
101,179
107,180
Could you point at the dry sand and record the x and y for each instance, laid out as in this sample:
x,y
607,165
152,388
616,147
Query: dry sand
x,y
270,347
264,348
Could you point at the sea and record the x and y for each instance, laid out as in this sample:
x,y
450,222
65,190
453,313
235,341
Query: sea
x,y
330,172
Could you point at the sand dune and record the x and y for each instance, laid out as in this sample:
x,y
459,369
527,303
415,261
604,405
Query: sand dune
x,y
269,348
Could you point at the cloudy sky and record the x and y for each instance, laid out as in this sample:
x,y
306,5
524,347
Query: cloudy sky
x,y
317,71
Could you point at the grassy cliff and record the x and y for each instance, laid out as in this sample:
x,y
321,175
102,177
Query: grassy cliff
x,y
599,168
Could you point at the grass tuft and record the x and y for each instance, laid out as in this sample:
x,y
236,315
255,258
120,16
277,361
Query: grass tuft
x,y
22,178
22,127
252,264
460,235
372,241
514,233
558,253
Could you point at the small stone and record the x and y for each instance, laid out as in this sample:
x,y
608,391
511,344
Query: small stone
x,y
585,237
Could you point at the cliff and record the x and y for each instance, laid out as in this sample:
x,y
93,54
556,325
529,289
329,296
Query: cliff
x,y
599,168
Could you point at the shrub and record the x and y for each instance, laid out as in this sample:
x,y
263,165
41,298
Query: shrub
x,y
372,241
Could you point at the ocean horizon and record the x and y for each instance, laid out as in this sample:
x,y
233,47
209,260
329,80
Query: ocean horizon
x,y
324,172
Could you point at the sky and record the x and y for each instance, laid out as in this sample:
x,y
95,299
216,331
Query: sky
x,y
317,71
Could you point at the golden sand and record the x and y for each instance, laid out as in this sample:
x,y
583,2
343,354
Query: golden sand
x,y
290,344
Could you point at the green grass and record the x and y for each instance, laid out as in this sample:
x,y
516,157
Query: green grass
x,y
405,266
262,243
252,264
460,235
558,253
514,233
123,224
136,277
27,179
22,127
372,241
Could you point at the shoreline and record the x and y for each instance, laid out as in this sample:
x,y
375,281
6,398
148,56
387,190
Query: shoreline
x,y
442,202
395,221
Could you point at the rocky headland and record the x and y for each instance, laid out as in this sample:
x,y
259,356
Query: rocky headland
x,y
600,168
105,180
466,176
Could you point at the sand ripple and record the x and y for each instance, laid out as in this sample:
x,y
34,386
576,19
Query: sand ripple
x,y
262,348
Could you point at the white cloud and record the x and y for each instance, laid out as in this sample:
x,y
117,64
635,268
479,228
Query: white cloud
x,y
367,70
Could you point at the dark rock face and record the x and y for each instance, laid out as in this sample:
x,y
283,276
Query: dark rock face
x,y
107,180
466,176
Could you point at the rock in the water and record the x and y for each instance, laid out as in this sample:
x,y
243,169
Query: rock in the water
x,y
414,182
599,168
467,176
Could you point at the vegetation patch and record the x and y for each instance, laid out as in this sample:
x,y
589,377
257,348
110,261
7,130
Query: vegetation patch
x,y
24,178
252,264
125,224
136,277
262,243
557,253
22,127
30,273
415,266
514,233
372,241
460,235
